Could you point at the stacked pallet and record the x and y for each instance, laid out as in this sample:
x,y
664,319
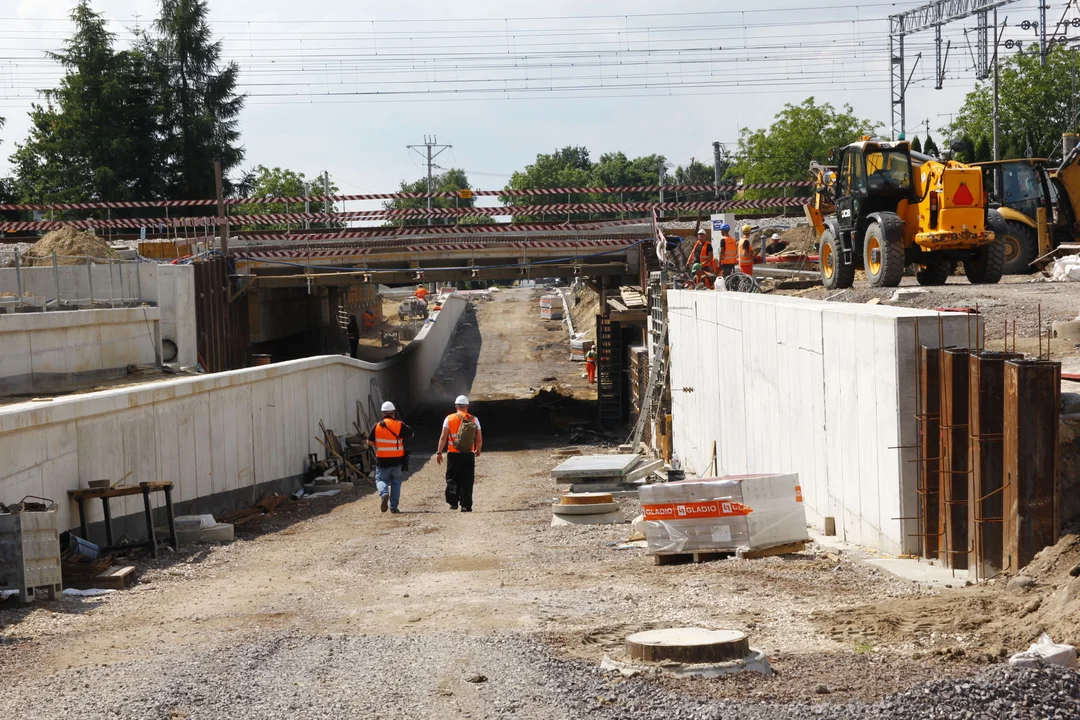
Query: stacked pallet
x,y
578,348
551,307
749,514
618,472
633,298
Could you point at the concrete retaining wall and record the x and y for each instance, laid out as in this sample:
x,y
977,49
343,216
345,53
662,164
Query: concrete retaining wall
x,y
225,436
58,351
823,389
170,287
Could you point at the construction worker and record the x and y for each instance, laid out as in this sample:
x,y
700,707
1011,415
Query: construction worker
x,y
389,436
353,331
729,252
746,256
422,292
703,280
695,252
776,245
462,440
590,365
370,319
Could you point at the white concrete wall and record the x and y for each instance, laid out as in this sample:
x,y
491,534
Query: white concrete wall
x,y
170,287
823,389
49,351
207,434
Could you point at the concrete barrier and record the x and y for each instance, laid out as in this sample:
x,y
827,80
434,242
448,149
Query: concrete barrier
x,y
48,352
221,438
826,390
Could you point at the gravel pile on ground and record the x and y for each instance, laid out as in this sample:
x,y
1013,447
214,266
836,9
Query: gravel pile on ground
x,y
450,675
70,246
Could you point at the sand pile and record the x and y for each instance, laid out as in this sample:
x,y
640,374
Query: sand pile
x,y
583,315
985,620
70,246
801,240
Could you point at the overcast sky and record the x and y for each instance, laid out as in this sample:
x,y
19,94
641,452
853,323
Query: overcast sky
x,y
675,76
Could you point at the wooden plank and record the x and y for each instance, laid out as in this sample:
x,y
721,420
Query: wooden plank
x,y
616,305
115,578
776,550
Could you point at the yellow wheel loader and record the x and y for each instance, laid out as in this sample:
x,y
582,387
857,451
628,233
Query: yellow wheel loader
x,y
1040,206
882,208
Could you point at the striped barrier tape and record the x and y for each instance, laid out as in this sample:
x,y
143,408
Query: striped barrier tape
x,y
137,204
279,218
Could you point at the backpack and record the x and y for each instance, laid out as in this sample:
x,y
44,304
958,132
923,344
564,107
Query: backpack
x,y
465,439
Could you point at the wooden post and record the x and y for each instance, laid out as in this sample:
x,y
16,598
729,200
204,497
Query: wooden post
x,y
221,209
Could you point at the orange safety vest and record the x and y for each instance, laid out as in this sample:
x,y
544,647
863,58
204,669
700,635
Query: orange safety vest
x,y
731,253
454,423
746,253
422,293
388,442
693,257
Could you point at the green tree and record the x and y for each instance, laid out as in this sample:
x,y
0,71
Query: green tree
x,y
1036,103
930,147
983,151
799,134
916,146
277,182
451,180
201,108
96,138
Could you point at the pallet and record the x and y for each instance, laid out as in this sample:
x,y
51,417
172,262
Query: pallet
x,y
700,557
115,578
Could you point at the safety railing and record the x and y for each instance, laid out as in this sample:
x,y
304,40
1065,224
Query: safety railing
x,y
32,282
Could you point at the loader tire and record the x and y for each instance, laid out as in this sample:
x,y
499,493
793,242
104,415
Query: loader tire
x,y
988,264
1021,247
883,257
835,275
935,273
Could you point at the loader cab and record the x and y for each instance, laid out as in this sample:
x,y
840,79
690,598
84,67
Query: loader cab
x,y
871,177
1018,184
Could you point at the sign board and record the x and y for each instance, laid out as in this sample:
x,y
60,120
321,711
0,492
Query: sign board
x,y
465,194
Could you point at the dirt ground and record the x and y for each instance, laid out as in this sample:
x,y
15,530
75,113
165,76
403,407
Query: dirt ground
x,y
336,569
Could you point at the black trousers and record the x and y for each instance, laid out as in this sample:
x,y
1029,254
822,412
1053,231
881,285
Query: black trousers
x,y
460,473
354,343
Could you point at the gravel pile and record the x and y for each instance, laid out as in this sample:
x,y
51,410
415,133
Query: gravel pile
x,y
439,676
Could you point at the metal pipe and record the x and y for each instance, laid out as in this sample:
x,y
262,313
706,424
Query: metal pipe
x,y
90,277
138,280
18,275
56,280
121,276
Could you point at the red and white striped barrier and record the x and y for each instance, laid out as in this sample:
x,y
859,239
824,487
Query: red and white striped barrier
x,y
136,204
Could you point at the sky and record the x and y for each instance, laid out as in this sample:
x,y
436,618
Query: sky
x,y
344,86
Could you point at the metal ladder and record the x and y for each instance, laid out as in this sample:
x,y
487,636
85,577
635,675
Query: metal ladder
x,y
658,359
609,371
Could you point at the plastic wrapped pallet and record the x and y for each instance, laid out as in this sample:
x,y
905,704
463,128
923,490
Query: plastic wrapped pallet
x,y
551,307
723,514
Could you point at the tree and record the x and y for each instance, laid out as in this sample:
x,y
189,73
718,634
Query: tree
x,y
983,151
200,106
277,182
452,180
916,146
1036,104
930,147
799,134
97,136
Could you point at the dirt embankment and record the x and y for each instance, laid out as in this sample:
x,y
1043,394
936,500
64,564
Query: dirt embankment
x,y
983,620
71,248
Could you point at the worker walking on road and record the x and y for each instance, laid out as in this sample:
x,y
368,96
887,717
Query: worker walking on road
x,y
389,437
462,440
729,253
590,365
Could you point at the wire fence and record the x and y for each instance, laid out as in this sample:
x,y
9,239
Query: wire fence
x,y
58,282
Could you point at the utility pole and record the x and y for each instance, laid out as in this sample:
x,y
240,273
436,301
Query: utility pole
x,y
997,151
326,193
221,209
307,205
716,169
660,168
430,146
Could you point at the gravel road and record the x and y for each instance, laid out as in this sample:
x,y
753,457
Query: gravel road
x,y
331,609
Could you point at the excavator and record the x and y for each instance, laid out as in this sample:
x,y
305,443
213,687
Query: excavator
x,y
882,207
1040,205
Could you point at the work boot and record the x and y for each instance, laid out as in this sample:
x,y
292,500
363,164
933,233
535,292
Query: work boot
x,y
453,507
466,509
394,511
385,503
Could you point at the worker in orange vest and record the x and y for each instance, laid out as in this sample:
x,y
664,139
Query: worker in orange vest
x,y
707,261
388,437
695,252
422,292
369,319
590,365
462,440
729,252
746,256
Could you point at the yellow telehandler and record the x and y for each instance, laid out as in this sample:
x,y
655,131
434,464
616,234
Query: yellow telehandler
x,y
883,207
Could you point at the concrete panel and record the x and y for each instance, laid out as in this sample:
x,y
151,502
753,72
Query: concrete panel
x,y
822,389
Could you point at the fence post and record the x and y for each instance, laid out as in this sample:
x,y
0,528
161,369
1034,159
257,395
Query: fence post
x,y
112,289
121,276
18,275
56,279
138,280
90,278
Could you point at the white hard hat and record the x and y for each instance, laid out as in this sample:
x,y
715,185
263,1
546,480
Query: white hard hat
x,y
461,400
775,236
701,231
388,407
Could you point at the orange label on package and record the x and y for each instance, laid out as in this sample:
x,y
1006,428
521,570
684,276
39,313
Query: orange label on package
x,y
798,493
699,510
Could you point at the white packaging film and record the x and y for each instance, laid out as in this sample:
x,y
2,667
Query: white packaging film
x,y
723,514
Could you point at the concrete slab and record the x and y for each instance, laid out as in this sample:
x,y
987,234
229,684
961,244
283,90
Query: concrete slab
x,y
585,466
